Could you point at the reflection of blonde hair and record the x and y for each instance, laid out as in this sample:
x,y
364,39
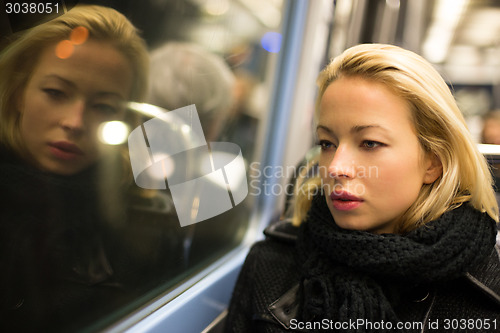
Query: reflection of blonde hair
x,y
19,59
439,125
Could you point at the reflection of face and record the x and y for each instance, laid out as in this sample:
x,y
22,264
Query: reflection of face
x,y
369,151
65,101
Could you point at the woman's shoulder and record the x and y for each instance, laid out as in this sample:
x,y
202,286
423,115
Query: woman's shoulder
x,y
268,259
279,244
270,270
473,298
283,231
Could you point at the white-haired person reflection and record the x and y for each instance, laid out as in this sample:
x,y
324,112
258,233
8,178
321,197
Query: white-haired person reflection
x,y
184,73
60,81
396,231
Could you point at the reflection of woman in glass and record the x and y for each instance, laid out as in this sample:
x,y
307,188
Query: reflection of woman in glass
x,y
399,224
60,81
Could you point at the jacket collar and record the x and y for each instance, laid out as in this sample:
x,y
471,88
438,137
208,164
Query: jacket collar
x,y
485,276
282,230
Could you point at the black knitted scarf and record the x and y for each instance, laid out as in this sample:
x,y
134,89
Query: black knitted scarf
x,y
53,217
349,275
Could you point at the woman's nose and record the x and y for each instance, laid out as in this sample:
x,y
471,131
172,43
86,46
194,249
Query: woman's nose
x,y
74,118
342,164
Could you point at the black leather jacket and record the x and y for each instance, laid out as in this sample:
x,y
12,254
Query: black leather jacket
x,y
267,295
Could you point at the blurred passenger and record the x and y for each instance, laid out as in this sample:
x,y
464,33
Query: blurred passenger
x,y
491,128
60,81
399,224
183,74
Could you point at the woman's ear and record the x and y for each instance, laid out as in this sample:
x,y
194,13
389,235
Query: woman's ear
x,y
434,168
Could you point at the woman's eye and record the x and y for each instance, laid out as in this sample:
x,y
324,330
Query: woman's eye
x,y
369,144
54,93
325,145
106,109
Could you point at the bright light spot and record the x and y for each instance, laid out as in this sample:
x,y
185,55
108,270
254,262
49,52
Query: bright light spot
x,y
214,36
435,49
394,4
446,15
64,49
271,17
217,7
267,12
237,174
146,109
489,149
79,35
186,129
195,207
271,42
343,8
114,132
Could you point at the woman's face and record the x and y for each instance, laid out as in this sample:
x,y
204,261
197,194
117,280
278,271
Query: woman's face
x,y
66,100
371,163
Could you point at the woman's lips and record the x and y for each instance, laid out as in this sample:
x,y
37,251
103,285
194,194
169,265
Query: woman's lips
x,y
344,201
65,150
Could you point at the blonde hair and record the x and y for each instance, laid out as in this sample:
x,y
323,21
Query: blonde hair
x,y
439,125
19,59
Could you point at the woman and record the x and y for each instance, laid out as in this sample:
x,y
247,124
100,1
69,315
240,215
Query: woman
x,y
396,232
59,252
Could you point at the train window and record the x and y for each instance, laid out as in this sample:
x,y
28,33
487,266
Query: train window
x,y
168,193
